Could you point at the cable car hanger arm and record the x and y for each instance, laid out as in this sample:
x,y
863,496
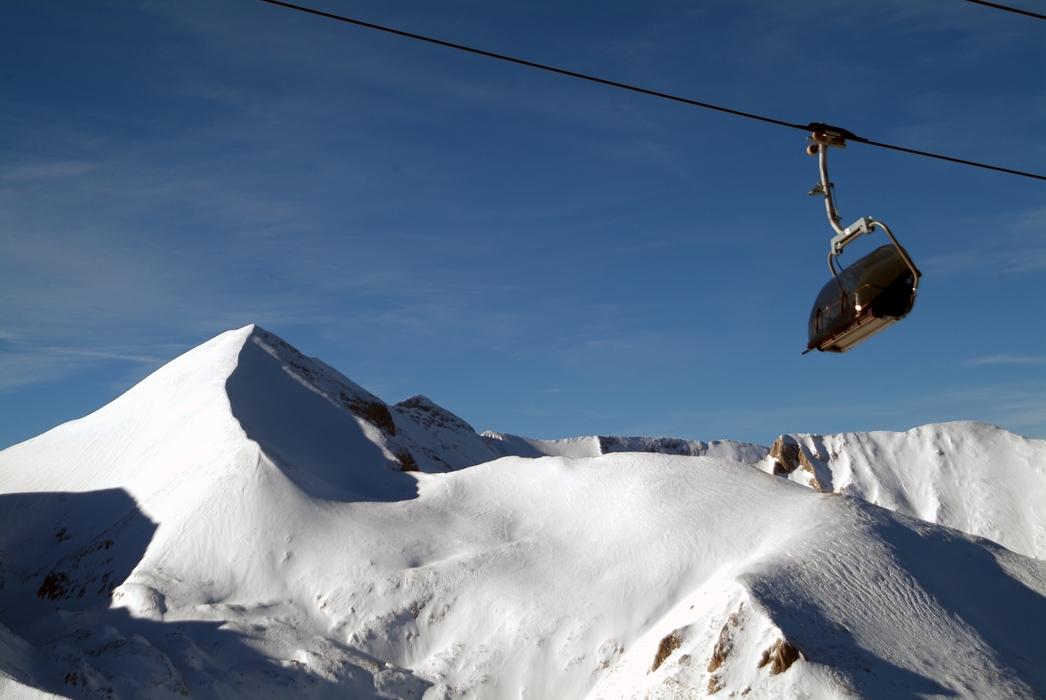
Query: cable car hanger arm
x,y
823,137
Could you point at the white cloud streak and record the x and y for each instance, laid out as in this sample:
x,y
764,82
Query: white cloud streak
x,y
1006,360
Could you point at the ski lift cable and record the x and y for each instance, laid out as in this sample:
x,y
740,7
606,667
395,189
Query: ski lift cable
x,y
1008,9
641,90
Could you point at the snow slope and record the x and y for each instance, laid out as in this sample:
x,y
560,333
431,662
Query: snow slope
x,y
249,523
970,476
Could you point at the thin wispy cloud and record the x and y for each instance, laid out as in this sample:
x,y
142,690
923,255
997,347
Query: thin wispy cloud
x,y
1006,360
105,355
48,172
592,390
1016,246
21,367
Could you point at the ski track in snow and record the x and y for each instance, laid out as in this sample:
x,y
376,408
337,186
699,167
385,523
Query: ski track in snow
x,y
250,523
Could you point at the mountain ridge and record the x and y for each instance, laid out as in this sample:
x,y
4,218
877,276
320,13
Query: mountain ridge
x,y
245,523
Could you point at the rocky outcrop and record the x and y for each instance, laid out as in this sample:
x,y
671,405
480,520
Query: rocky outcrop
x,y
787,455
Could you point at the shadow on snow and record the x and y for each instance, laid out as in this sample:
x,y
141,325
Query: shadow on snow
x,y
62,554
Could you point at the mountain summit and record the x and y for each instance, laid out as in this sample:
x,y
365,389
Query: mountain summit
x,y
248,522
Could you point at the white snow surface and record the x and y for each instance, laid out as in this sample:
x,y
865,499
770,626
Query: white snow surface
x,y
969,476
249,523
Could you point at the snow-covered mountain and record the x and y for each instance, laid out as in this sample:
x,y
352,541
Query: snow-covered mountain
x,y
249,523
969,476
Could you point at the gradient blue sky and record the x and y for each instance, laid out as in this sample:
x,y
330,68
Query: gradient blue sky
x,y
540,255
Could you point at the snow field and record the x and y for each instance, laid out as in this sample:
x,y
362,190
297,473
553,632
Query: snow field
x,y
249,523
969,476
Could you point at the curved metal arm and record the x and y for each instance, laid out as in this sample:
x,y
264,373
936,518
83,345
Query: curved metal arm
x,y
826,186
904,254
833,136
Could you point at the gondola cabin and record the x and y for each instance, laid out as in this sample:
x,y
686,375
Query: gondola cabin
x,y
873,293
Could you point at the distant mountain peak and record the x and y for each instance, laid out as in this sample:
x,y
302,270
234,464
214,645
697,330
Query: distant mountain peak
x,y
429,414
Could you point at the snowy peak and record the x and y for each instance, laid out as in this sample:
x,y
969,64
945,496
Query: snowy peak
x,y
333,437
221,406
152,436
324,379
276,386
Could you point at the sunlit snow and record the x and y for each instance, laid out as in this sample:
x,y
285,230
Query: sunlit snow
x,y
249,523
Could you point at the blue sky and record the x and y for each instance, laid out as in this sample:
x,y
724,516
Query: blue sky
x,y
541,255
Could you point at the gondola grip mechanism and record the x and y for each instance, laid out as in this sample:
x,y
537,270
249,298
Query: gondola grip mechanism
x,y
865,224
